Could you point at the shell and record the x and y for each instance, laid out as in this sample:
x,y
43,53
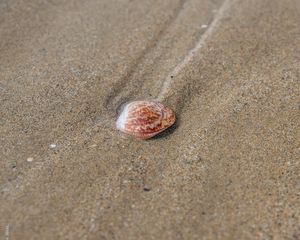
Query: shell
x,y
145,119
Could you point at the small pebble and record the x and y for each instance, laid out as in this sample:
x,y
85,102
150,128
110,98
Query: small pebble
x,y
204,26
30,159
52,146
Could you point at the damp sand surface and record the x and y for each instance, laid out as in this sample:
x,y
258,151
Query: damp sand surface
x,y
228,169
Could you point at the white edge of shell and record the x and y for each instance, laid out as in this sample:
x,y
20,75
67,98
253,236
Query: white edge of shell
x,y
120,124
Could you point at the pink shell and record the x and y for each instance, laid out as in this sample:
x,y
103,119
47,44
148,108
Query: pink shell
x,y
145,119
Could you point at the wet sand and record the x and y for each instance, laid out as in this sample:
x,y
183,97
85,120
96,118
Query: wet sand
x,y
228,169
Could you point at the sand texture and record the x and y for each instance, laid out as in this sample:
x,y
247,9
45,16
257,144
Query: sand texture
x,y
228,169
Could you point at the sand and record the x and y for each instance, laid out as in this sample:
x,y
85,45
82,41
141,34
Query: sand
x,y
228,169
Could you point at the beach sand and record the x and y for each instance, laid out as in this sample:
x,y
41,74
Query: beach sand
x,y
228,169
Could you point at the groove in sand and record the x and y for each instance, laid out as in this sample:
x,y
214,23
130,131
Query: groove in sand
x,y
118,88
210,30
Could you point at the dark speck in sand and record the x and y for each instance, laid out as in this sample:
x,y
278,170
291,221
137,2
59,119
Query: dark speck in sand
x,y
146,189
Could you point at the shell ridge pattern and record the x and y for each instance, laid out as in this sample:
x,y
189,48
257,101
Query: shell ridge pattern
x,y
145,119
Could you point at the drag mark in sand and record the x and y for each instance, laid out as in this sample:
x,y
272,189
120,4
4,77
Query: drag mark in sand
x,y
166,86
114,98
